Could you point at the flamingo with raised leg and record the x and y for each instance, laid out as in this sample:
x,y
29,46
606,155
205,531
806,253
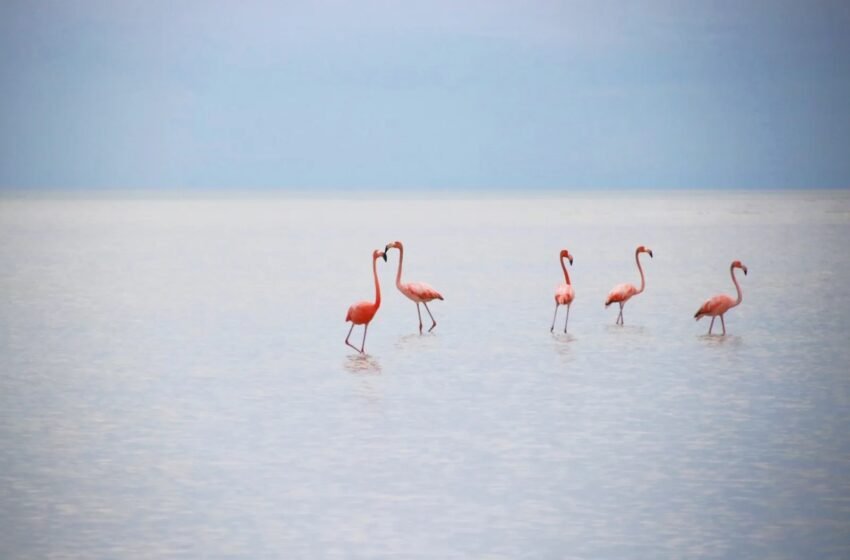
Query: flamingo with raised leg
x,y
720,304
417,292
362,312
624,292
564,294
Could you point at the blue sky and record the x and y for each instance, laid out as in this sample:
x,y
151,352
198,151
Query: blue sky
x,y
432,94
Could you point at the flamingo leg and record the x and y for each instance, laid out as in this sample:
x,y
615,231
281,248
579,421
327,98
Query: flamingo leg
x,y
418,312
567,320
363,344
722,322
349,335
433,321
711,324
620,316
552,328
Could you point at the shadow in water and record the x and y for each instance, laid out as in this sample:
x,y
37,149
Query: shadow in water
x,y
718,340
627,329
416,340
563,344
562,338
362,363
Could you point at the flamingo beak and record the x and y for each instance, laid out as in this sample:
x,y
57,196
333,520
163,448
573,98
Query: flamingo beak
x,y
384,254
571,261
650,254
387,248
745,270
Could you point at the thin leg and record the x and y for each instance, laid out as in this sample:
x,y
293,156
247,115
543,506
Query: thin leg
x,y
620,316
363,344
349,335
433,321
722,322
567,319
418,312
711,324
552,328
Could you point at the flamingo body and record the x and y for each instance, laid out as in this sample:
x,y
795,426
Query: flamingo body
x,y
720,304
417,292
621,293
564,294
361,312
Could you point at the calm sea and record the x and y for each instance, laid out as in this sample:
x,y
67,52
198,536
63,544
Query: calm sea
x,y
173,379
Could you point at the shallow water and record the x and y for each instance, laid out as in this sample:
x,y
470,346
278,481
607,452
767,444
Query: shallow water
x,y
173,379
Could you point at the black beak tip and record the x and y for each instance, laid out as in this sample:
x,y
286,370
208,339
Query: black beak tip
x,y
650,254
385,256
571,261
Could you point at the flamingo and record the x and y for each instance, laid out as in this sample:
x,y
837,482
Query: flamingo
x,y
720,304
417,292
564,293
362,312
624,292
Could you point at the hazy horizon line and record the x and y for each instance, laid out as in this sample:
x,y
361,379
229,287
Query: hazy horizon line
x,y
377,192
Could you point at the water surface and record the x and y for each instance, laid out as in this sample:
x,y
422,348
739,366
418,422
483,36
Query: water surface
x,y
173,379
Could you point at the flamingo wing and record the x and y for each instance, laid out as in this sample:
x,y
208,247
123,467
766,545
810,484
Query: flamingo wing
x,y
621,292
361,312
423,291
715,306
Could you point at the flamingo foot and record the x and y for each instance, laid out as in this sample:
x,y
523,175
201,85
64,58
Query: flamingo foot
x,y
432,326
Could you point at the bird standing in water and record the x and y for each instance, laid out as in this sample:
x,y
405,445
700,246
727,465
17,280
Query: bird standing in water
x,y
564,294
417,292
624,292
362,312
720,304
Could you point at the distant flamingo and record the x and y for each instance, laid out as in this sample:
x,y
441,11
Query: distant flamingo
x,y
624,292
417,292
718,305
564,293
362,312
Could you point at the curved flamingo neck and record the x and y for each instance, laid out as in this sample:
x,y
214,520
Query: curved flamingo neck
x,y
400,259
377,284
566,274
737,286
640,268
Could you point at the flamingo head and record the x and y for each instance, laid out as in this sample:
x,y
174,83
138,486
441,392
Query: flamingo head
x,y
739,264
643,249
566,255
376,254
393,245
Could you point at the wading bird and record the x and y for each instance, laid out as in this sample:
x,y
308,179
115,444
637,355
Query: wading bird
x,y
624,292
718,305
362,312
564,293
417,292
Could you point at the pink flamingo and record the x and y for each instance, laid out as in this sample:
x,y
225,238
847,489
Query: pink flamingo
x,y
417,292
564,294
718,305
624,292
362,312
